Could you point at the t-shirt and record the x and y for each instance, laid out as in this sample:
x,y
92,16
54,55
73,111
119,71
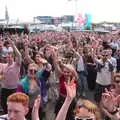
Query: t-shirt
x,y
11,75
7,50
104,75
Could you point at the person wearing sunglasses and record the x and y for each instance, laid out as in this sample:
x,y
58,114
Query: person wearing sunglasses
x,y
30,85
105,72
34,83
84,109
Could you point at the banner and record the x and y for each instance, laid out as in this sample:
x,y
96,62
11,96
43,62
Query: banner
x,y
83,20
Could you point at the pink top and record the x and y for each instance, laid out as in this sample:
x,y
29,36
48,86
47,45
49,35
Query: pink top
x,y
11,75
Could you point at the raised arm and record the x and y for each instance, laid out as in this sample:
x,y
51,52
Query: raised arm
x,y
27,56
71,93
35,110
56,61
76,53
17,53
107,105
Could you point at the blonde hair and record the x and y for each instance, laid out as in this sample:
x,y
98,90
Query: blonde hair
x,y
72,70
33,65
93,108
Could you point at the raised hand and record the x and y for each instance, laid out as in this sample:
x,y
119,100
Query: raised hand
x,y
53,53
108,102
71,89
118,99
35,110
25,42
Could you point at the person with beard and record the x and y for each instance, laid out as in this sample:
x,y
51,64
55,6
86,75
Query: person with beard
x,y
104,75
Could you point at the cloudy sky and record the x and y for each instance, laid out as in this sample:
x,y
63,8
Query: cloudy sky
x,y
101,10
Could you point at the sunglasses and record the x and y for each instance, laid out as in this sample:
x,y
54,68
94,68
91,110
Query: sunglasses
x,y
105,55
117,81
84,118
32,71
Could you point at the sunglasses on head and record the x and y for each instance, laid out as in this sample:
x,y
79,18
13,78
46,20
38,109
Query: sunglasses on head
x,y
32,70
83,118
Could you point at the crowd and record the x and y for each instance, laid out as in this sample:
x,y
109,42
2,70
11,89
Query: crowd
x,y
61,68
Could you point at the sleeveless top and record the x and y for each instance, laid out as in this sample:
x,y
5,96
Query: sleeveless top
x,y
11,75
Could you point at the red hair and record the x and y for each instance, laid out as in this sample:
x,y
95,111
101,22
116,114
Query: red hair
x,y
19,98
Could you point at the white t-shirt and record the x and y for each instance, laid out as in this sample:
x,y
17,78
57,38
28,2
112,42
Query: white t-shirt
x,y
7,50
80,64
104,77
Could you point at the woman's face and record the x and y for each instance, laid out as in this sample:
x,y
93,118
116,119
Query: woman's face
x,y
67,72
82,113
32,72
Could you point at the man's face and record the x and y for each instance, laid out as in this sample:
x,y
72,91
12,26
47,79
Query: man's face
x,y
117,82
110,52
48,52
80,51
16,111
37,57
9,56
105,54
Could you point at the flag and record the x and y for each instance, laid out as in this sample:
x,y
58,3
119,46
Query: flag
x,y
6,14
